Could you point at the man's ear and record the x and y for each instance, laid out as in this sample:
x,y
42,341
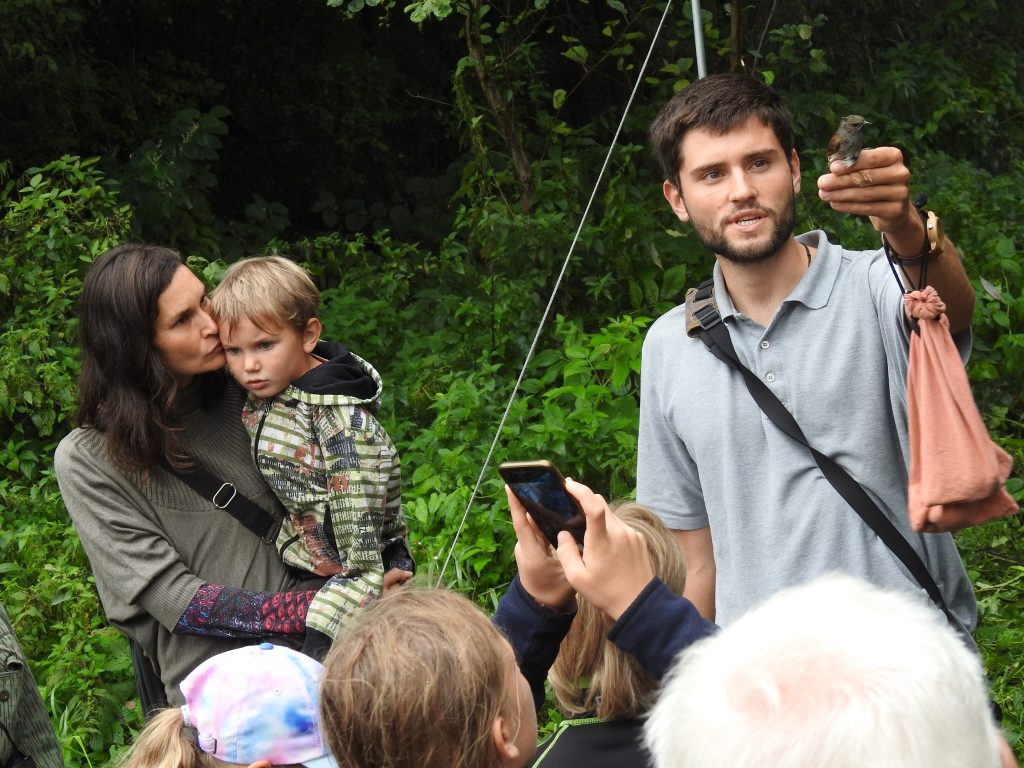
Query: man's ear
x,y
261,764
504,740
311,334
794,169
675,200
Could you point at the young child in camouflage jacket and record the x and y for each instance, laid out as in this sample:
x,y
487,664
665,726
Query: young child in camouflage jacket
x,y
310,416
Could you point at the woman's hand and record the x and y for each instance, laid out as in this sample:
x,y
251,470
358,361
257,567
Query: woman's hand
x,y
540,572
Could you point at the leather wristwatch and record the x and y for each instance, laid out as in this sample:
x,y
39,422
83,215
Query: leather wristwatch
x,y
934,239
936,242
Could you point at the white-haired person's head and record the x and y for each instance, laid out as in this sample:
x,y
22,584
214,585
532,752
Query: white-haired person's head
x,y
835,673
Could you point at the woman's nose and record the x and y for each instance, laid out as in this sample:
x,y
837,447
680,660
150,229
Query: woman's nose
x,y
210,327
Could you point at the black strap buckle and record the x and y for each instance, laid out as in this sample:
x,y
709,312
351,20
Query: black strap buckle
x,y
701,311
708,317
270,537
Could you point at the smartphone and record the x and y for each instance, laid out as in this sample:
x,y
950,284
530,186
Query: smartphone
x,y
540,488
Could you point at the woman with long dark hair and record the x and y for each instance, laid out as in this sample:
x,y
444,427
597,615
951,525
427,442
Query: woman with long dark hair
x,y
175,571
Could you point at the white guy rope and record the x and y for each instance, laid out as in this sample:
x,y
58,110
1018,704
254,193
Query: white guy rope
x,y
551,300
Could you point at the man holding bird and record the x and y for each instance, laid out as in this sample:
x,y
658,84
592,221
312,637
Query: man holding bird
x,y
821,326
848,140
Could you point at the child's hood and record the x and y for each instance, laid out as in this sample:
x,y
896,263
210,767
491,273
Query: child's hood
x,y
343,375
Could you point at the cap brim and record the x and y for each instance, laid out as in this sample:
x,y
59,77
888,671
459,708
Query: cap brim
x,y
327,761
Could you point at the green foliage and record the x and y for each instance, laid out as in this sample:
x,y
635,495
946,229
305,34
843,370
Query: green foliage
x,y
993,554
430,270
319,111
171,178
794,51
81,664
989,231
53,221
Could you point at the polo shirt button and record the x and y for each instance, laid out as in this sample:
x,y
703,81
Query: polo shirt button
x,y
770,377
5,695
765,344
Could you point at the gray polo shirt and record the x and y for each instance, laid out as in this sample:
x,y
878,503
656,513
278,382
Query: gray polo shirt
x,y
836,356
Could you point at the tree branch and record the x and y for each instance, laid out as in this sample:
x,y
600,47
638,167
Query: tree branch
x,y
504,117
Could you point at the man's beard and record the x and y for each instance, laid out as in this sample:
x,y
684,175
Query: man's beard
x,y
716,242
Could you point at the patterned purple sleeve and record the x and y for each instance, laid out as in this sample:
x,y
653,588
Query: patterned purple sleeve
x,y
219,611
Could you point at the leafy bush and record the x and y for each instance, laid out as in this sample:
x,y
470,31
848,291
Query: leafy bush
x,y
53,221
448,325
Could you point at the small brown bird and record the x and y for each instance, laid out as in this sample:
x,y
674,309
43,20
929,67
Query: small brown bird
x,y
848,140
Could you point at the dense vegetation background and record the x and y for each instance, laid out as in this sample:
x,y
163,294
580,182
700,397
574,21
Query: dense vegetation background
x,y
430,164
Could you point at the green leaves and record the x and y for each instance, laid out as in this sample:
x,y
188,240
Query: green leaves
x,y
53,222
425,9
448,317
577,54
60,218
172,178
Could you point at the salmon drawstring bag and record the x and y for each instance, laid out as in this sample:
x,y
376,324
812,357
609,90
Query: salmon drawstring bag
x,y
957,474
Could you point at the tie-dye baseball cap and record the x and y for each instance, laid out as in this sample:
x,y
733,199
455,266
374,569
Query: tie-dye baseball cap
x,y
257,703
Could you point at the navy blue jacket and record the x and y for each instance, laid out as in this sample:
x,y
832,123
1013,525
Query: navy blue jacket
x,y
656,626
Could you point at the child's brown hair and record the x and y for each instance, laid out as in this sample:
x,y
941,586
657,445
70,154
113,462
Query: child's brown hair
x,y
419,681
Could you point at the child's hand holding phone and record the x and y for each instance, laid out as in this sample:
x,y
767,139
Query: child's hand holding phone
x,y
540,488
613,570
540,571
615,567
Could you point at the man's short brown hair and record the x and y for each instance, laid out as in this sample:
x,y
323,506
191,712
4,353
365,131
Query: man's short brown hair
x,y
716,103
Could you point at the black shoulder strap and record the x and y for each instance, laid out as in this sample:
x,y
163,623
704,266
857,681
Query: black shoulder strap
x,y
148,684
704,321
225,496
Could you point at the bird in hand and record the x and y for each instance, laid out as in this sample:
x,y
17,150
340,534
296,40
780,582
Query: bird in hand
x,y
847,141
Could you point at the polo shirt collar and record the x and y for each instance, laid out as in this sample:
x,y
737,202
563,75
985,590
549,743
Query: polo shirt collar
x,y
814,288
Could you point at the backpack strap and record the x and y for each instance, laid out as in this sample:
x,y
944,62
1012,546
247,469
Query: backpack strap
x,y
701,308
225,496
702,311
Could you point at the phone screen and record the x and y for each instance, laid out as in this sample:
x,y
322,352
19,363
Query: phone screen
x,y
540,488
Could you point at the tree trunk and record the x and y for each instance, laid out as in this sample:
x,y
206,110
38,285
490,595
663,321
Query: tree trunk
x,y
504,117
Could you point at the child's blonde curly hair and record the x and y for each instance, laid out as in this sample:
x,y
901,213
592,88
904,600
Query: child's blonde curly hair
x,y
269,291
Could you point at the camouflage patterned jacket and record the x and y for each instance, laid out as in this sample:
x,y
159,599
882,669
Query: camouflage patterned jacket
x,y
22,713
331,464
